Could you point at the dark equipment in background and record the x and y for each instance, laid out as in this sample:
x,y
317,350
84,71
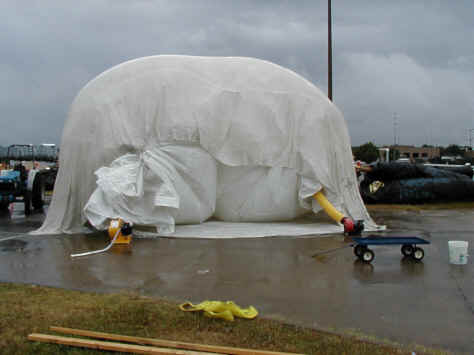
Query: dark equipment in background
x,y
19,184
416,183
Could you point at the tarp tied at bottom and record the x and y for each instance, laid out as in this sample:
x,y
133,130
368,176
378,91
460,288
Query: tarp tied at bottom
x,y
240,139
177,184
161,187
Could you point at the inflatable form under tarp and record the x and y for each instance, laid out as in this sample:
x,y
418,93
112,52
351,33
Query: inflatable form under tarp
x,y
170,140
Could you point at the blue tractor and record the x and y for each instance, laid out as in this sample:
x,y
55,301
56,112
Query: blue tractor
x,y
19,184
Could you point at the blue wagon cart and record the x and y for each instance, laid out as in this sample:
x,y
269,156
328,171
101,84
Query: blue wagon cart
x,y
409,246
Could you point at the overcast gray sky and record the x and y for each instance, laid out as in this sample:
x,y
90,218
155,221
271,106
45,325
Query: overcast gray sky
x,y
409,58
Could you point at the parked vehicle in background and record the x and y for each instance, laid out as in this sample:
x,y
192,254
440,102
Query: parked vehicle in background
x,y
23,179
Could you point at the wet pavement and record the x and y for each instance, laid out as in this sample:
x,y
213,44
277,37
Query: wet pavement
x,y
429,302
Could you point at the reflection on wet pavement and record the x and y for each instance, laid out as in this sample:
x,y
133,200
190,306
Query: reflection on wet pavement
x,y
313,281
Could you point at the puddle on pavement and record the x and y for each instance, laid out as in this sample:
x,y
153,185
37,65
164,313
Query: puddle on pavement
x,y
272,272
370,273
13,245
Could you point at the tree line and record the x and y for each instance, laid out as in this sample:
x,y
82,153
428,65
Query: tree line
x,y
369,152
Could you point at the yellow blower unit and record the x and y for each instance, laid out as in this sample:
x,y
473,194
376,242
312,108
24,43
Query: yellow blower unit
x,y
123,229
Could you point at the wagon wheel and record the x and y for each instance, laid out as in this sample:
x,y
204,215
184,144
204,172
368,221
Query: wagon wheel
x,y
367,256
407,249
359,249
418,254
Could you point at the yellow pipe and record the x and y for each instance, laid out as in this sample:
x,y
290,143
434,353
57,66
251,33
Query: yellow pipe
x,y
328,207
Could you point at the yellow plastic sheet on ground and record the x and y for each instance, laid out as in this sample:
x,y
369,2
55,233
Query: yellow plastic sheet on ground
x,y
220,309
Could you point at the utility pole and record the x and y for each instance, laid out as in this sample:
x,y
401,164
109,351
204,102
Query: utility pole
x,y
469,137
329,51
395,128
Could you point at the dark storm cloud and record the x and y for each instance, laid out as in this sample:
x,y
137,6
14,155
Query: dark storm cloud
x,y
414,59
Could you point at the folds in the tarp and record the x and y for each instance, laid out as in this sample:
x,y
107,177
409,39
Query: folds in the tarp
x,y
240,113
160,187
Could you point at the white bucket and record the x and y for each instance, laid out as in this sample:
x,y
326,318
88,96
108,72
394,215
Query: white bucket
x,y
458,252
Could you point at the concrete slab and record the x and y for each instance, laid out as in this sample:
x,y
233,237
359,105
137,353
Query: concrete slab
x,y
431,302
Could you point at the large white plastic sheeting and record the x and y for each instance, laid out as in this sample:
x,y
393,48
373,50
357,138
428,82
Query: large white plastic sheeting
x,y
226,230
243,112
257,194
161,187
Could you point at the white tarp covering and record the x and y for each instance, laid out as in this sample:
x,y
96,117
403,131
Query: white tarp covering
x,y
144,189
227,230
178,139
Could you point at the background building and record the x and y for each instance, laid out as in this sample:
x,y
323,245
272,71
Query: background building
x,y
414,153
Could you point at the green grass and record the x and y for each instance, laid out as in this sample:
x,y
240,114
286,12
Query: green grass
x,y
29,309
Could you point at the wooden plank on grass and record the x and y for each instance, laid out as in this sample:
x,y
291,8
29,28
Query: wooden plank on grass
x,y
166,343
107,345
